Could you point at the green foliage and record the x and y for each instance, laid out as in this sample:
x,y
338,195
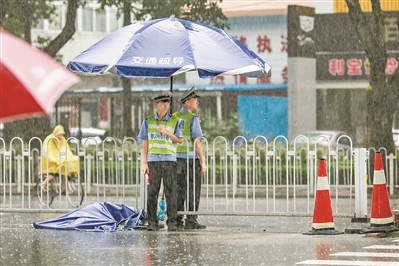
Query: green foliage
x,y
120,5
274,174
42,42
18,16
206,12
203,11
14,14
213,127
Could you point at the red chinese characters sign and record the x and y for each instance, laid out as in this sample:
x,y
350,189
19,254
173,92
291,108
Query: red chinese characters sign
x,y
263,47
355,67
350,67
265,36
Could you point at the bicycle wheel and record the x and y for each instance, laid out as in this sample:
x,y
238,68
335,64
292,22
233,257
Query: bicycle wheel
x,y
45,197
74,191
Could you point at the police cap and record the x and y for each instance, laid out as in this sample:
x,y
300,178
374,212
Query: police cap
x,y
189,95
165,96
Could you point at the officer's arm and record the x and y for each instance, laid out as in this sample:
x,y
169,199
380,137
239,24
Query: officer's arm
x,y
177,136
198,150
173,137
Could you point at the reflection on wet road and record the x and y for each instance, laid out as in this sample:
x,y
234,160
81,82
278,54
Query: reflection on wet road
x,y
226,241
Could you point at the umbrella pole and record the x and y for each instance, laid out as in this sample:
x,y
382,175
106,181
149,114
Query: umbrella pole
x,y
171,90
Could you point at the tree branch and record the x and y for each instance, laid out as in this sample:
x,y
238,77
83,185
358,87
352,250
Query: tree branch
x,y
379,25
67,32
364,33
27,12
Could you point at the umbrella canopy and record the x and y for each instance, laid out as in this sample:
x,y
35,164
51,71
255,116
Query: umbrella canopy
x,y
167,47
99,216
30,80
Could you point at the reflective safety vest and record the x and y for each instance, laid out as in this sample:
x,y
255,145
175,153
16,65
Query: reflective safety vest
x,y
159,143
185,120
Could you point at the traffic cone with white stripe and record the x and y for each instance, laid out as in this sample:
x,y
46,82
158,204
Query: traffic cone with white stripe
x,y
323,221
381,217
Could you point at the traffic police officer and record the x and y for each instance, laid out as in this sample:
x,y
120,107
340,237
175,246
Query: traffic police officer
x,y
160,133
191,129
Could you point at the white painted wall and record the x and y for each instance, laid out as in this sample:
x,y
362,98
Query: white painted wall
x,y
323,6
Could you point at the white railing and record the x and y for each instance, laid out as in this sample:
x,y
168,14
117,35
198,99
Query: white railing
x,y
251,178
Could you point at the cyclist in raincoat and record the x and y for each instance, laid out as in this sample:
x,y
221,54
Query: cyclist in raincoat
x,y
53,164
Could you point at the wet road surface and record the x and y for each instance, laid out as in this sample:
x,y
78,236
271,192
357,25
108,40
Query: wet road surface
x,y
226,241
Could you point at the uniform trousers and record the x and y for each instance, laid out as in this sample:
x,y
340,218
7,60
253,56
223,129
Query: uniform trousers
x,y
194,187
167,172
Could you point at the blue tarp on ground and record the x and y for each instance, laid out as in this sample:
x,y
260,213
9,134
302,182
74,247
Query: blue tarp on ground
x,y
99,216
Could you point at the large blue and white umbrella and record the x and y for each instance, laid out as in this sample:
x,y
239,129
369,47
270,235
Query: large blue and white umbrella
x,y
167,47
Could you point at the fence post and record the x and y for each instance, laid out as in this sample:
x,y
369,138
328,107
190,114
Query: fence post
x,y
360,221
360,182
391,169
2,155
89,157
19,173
311,158
143,186
235,185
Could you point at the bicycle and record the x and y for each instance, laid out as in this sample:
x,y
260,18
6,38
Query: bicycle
x,y
73,190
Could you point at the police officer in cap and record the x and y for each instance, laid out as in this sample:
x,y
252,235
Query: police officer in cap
x,y
160,133
191,129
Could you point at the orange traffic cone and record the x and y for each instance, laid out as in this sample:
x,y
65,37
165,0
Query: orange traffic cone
x,y
381,217
323,221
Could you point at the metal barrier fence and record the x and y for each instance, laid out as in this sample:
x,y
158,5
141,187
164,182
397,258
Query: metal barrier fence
x,y
243,178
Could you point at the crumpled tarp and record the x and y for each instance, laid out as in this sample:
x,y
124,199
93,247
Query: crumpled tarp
x,y
99,216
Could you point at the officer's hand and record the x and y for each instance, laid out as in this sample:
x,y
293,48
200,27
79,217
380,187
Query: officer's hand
x,y
203,168
144,168
162,130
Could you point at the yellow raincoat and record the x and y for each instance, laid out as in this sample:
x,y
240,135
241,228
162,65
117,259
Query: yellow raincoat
x,y
54,160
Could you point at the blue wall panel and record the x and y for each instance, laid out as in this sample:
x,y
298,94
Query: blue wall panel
x,y
263,115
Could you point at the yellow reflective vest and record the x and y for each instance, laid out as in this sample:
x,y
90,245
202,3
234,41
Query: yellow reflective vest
x,y
185,120
159,143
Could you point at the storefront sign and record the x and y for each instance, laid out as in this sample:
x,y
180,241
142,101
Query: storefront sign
x,y
267,37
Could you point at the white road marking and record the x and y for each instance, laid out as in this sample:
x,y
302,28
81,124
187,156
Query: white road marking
x,y
348,262
383,247
367,254
360,254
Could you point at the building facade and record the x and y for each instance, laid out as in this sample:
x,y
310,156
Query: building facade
x,y
333,94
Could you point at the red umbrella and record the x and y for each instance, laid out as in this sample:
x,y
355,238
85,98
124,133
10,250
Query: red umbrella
x,y
30,80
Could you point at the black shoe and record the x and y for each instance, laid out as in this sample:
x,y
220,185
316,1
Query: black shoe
x,y
152,227
191,226
180,227
172,228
